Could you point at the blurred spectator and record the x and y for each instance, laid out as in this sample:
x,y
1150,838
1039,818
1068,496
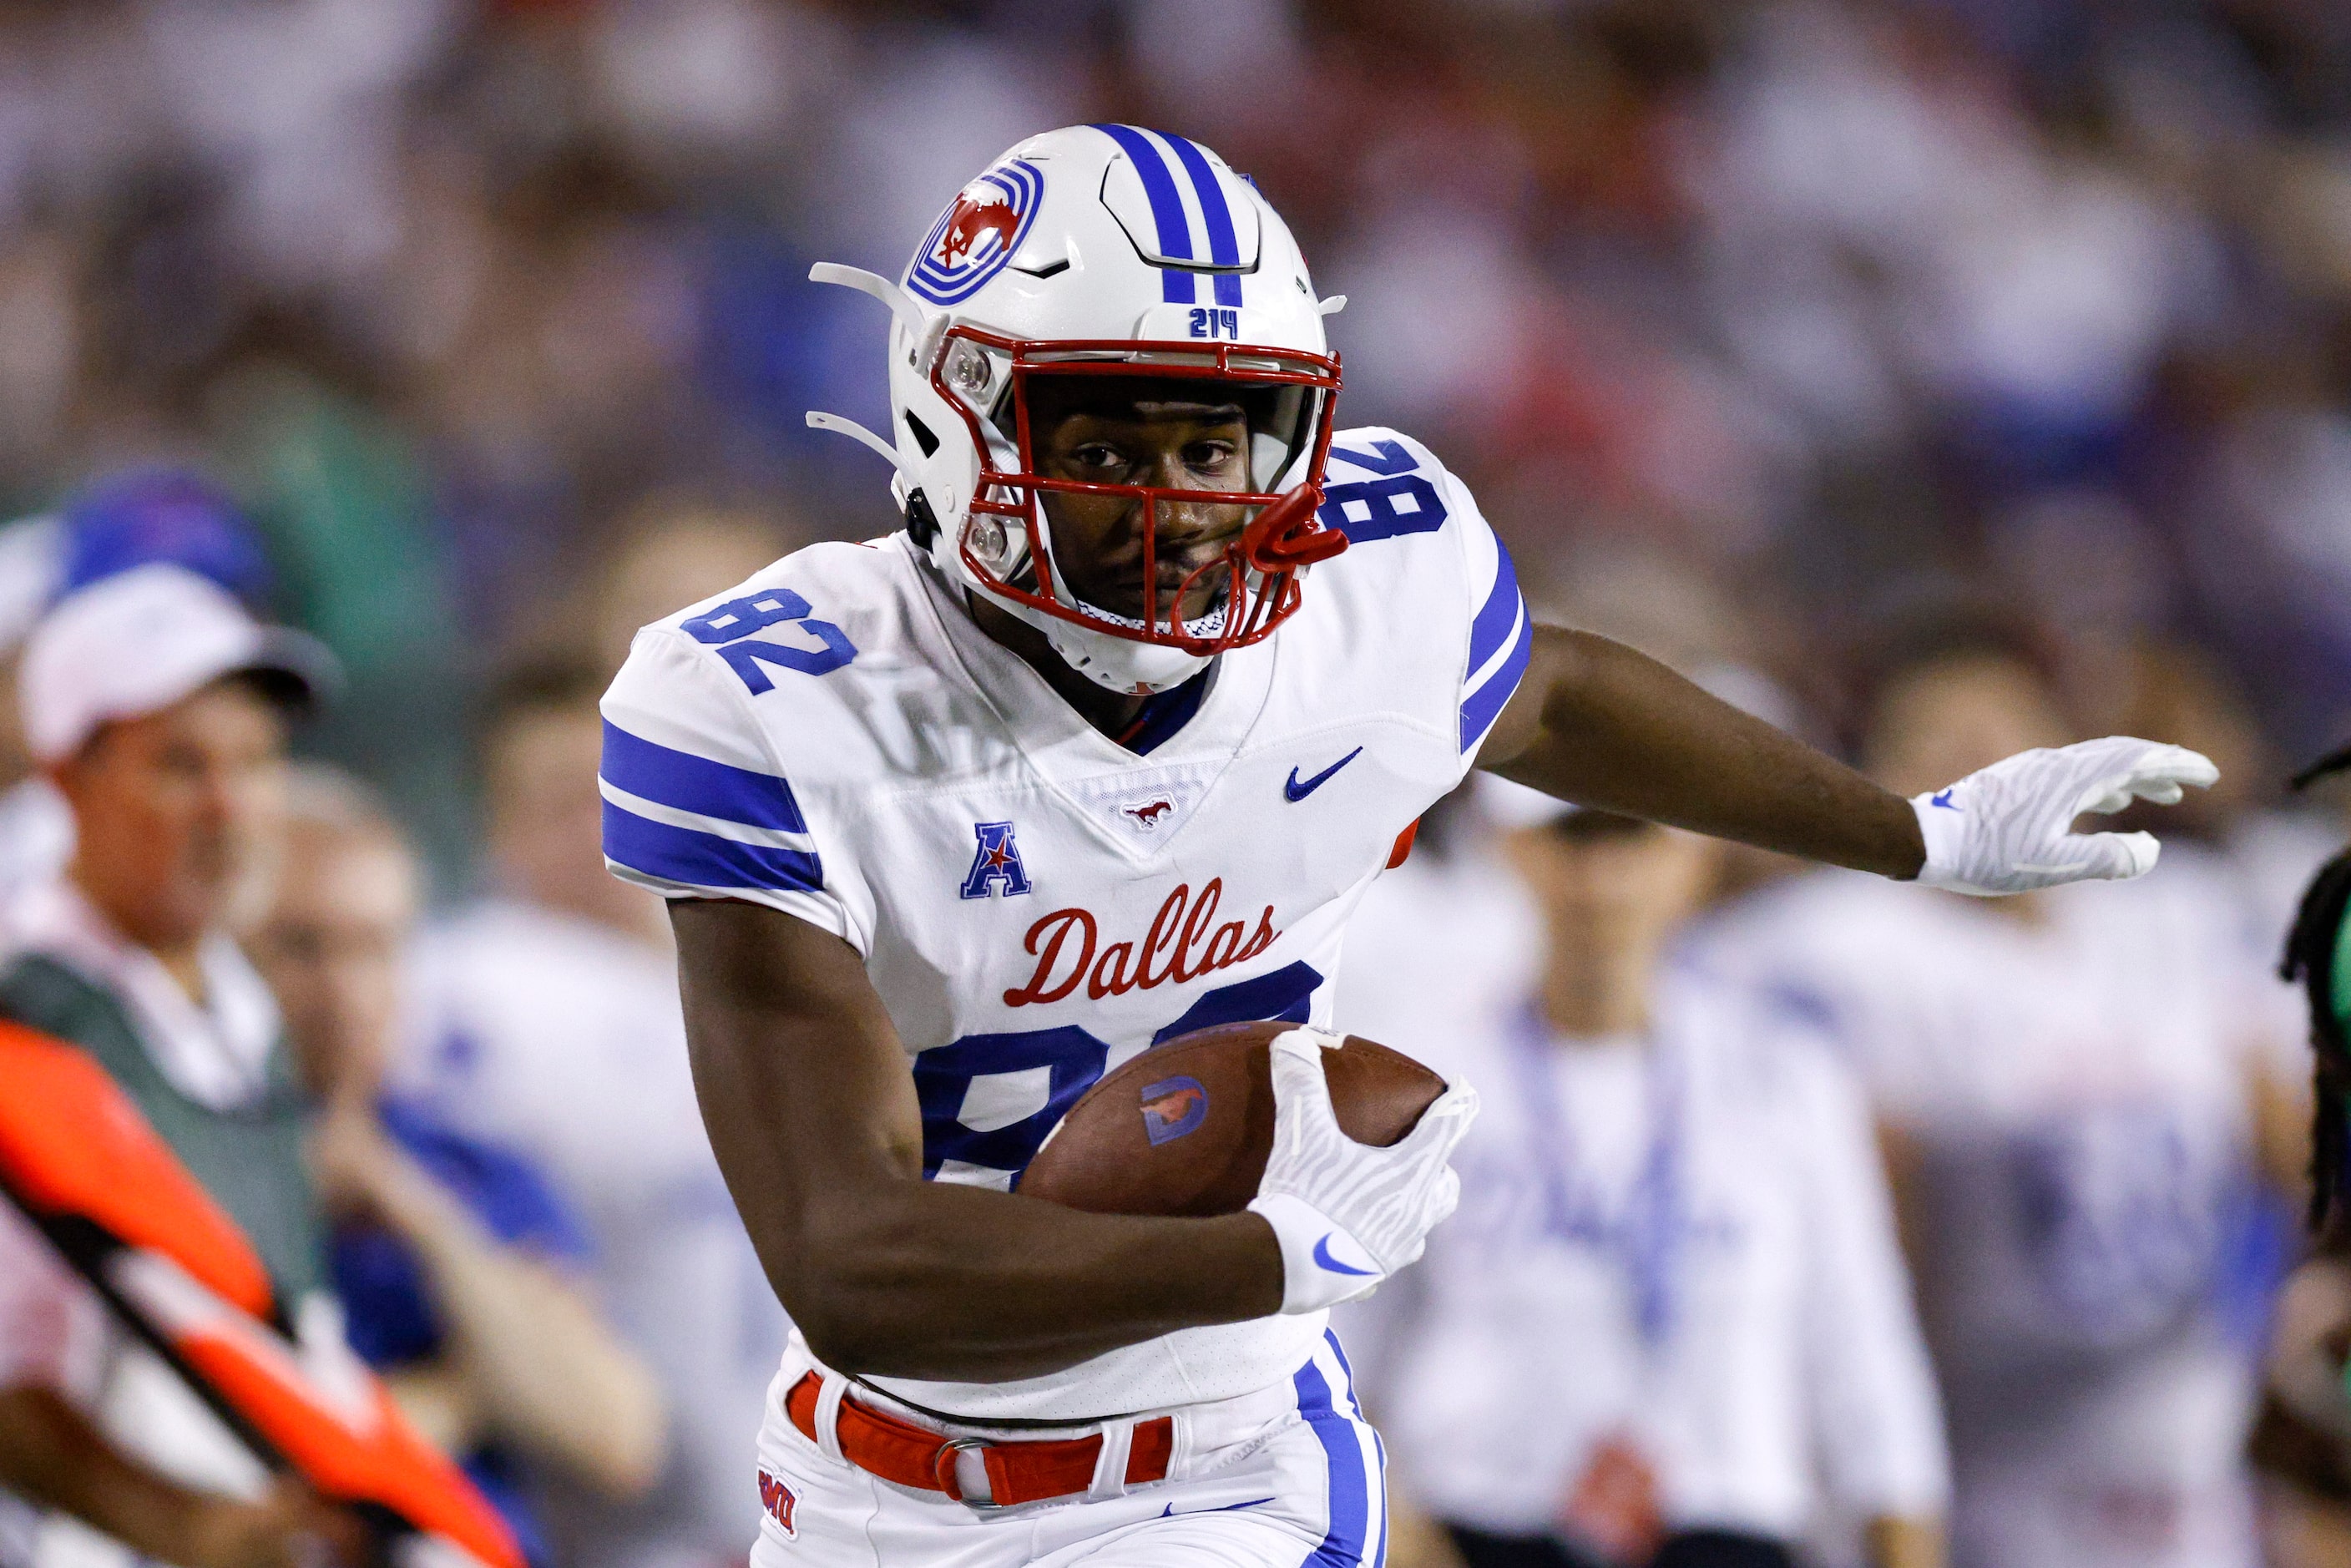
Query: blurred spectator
x,y
673,552
455,1262
551,1025
128,519
1673,1289
159,710
2070,1084
2302,1444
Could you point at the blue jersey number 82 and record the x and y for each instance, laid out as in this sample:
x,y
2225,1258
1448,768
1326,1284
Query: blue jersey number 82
x,y
729,628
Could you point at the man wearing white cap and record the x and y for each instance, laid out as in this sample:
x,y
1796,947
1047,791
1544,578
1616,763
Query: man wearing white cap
x,y
158,707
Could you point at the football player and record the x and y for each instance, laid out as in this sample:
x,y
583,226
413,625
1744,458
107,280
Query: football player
x,y
1100,749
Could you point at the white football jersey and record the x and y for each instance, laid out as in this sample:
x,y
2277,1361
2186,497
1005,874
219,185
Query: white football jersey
x,y
1037,905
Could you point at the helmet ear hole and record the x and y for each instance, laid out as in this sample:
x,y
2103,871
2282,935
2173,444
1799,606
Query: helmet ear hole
x,y
922,436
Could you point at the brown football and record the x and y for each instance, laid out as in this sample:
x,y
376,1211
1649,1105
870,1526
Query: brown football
x,y
1186,1127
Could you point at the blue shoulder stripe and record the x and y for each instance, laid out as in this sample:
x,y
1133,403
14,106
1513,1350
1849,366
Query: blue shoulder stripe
x,y
1498,615
1485,703
704,860
1166,209
1224,245
698,785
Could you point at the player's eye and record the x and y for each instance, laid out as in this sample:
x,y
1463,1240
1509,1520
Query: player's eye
x,y
1098,455
1211,457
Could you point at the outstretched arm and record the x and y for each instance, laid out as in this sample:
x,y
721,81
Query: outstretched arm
x,y
1595,723
811,1111
1600,724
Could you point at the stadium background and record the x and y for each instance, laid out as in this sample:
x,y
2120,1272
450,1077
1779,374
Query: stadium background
x,y
1742,321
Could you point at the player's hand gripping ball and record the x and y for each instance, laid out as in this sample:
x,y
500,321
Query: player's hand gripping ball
x,y
1339,1146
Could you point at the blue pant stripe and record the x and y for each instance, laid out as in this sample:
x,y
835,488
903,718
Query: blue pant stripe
x,y
1166,209
1350,1497
1224,245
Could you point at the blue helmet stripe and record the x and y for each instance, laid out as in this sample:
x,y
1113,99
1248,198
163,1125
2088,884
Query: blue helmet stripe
x,y
1166,209
1223,248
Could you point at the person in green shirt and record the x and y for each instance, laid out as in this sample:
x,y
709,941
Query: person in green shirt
x,y
160,708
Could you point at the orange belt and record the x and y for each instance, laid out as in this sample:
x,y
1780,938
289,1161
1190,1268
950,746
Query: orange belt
x,y
912,1456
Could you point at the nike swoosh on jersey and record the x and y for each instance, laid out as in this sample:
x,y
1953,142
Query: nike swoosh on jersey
x,y
1943,799
1322,1256
1297,791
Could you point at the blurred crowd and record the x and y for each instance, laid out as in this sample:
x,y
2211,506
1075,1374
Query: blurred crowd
x,y
1928,376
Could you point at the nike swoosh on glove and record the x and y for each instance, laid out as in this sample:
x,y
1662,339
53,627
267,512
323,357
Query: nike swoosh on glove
x,y
1349,1215
2009,828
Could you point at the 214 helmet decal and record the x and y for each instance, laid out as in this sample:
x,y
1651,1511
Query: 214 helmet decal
x,y
1064,273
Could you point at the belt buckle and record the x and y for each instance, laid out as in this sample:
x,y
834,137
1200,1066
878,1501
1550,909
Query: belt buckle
x,y
942,1470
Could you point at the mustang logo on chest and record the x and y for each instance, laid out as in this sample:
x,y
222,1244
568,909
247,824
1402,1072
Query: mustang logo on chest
x,y
1183,943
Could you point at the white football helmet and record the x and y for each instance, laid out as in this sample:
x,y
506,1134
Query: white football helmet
x,y
1105,251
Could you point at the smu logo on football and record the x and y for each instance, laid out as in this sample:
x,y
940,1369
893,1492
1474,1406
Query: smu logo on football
x,y
777,1499
1173,1107
996,863
1183,943
977,234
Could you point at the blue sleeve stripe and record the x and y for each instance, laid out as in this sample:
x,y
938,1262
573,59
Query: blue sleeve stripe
x,y
1486,703
698,785
1497,615
670,853
1224,245
1166,209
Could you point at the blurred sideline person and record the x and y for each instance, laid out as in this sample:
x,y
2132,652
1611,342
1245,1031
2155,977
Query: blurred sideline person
x,y
455,1262
136,516
2301,1444
2069,1085
158,708
549,1025
1673,1286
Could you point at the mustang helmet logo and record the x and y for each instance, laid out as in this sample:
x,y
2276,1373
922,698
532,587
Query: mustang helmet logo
x,y
971,216
977,234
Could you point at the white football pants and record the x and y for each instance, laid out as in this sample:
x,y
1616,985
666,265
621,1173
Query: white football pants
x,y
1288,1477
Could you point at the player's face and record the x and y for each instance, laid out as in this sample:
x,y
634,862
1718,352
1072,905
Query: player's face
x,y
1173,436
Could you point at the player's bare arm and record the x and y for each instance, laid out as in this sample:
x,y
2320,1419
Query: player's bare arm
x,y
1598,724
804,1087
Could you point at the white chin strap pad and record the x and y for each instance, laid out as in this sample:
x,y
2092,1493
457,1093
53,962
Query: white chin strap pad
x,y
1117,663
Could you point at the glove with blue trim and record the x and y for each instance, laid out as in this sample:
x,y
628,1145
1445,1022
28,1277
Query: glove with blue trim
x,y
1349,1215
2008,827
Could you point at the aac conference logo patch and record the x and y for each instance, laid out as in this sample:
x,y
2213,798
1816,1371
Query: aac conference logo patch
x,y
977,235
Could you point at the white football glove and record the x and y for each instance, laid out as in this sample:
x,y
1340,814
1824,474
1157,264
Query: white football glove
x,y
1349,1215
2008,827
